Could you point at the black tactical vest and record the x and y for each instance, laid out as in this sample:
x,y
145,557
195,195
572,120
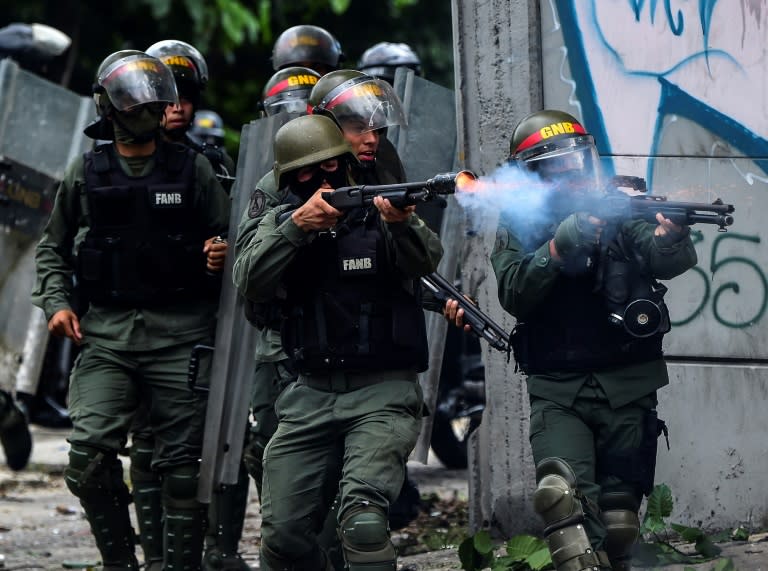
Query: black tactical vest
x,y
145,243
571,331
347,309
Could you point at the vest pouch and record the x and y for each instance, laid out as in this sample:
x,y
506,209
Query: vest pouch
x,y
616,276
89,264
113,206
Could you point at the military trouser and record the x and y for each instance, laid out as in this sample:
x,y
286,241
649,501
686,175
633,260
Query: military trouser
x,y
585,435
345,434
269,380
107,387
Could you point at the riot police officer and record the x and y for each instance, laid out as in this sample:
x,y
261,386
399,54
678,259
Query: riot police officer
x,y
357,338
288,91
190,70
382,59
135,221
227,510
207,128
592,380
363,107
307,46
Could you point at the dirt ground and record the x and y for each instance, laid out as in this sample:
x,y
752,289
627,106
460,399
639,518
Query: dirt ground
x,y
42,525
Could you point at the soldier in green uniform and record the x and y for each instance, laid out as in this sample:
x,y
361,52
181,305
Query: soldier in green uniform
x,y
592,379
226,514
364,108
135,222
356,334
190,71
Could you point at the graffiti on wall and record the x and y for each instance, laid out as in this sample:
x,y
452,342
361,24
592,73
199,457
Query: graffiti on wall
x,y
683,79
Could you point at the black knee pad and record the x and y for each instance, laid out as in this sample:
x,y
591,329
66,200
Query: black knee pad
x,y
92,472
180,486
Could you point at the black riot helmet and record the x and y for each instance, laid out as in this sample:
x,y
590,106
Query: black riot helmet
x,y
307,46
288,90
382,59
555,145
208,127
187,64
125,80
357,101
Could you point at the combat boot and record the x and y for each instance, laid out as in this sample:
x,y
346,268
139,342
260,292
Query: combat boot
x,y
14,433
226,517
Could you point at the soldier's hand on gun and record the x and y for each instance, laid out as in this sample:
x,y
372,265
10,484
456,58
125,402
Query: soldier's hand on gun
x,y
65,323
391,213
316,214
455,314
215,251
579,232
668,228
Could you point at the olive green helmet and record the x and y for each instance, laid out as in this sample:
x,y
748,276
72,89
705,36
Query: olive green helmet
x,y
305,141
356,100
555,146
542,126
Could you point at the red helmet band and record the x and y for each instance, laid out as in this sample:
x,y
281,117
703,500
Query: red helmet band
x,y
550,131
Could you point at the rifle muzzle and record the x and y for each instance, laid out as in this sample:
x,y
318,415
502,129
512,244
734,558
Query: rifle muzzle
x,y
447,183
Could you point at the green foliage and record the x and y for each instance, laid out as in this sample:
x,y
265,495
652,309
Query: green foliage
x,y
739,534
238,22
523,553
339,6
655,526
236,38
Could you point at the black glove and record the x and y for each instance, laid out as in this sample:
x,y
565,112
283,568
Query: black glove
x,y
576,234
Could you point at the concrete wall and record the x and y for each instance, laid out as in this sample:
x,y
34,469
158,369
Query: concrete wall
x,y
675,92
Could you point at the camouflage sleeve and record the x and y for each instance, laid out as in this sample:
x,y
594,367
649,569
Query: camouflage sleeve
x,y
54,259
415,249
667,256
261,260
523,277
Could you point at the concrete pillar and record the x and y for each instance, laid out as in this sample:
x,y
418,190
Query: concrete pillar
x,y
498,81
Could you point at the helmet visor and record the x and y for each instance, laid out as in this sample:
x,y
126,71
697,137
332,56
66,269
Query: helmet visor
x,y
293,102
572,160
370,103
136,80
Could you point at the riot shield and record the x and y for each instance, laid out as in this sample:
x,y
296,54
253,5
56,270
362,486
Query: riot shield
x,y
41,131
233,357
427,147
